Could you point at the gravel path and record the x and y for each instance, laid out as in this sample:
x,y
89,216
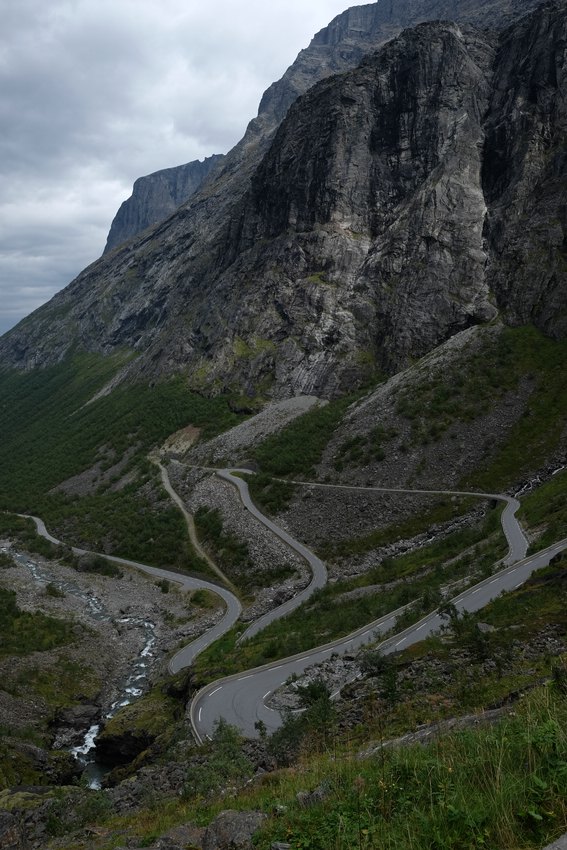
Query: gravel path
x,y
195,542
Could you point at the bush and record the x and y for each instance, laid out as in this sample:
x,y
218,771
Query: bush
x,y
22,632
298,448
6,561
98,564
225,763
53,590
227,548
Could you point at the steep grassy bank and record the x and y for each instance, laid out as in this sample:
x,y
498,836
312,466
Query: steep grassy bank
x,y
40,667
524,354
545,510
486,416
503,787
297,448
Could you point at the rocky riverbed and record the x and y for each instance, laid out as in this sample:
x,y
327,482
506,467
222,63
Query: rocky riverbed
x,y
125,628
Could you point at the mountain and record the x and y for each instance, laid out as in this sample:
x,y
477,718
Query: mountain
x,y
337,47
242,287
389,237
156,196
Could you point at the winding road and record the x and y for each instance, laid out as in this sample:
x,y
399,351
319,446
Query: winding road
x,y
241,699
318,568
187,654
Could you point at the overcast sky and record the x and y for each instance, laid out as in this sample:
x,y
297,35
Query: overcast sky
x,y
94,93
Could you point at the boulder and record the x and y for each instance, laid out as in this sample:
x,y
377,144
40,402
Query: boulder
x,y
232,830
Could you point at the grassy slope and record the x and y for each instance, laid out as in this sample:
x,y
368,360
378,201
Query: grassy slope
x,y
526,353
457,393
545,510
52,684
501,787
454,395
297,448
49,434
465,670
22,632
465,389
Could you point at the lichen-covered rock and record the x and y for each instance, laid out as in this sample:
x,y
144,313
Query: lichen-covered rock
x,y
11,837
230,830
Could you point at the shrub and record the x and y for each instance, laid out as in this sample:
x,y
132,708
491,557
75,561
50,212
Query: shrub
x,y
225,763
52,590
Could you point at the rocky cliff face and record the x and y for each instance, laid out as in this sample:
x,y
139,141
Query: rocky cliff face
x,y
383,216
525,173
373,185
157,196
338,47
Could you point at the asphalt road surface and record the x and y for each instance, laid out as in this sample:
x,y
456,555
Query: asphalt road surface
x,y
241,699
317,566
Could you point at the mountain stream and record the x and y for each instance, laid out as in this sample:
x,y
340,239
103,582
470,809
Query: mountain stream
x,y
129,687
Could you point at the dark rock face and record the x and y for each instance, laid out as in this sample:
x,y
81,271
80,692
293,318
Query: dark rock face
x,y
157,196
525,173
120,749
397,204
376,176
338,47
361,30
69,724
56,767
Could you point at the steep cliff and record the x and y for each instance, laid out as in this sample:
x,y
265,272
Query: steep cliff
x,y
338,47
525,173
370,227
156,196
373,186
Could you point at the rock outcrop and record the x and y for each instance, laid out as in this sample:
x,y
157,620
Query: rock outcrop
x,y
157,196
384,215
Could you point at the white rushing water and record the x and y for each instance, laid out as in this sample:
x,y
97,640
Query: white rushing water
x,y
133,685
